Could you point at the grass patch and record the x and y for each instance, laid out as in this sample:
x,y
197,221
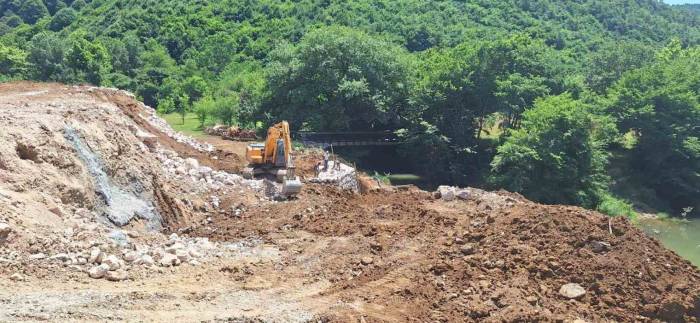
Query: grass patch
x,y
190,127
614,206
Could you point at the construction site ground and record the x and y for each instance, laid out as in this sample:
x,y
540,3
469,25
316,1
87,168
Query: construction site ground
x,y
329,255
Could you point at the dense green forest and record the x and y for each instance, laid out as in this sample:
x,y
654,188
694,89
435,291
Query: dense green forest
x,y
589,102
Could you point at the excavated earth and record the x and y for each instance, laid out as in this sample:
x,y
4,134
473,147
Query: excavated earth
x,y
383,255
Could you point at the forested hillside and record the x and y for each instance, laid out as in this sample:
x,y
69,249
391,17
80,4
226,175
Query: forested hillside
x,y
564,101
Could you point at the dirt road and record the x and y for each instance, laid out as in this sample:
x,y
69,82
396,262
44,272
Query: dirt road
x,y
330,255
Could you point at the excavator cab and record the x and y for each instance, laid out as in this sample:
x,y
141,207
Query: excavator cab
x,y
274,156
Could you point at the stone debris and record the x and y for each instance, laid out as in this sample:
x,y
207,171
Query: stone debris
x,y
5,231
145,260
169,260
342,175
189,168
99,271
17,277
488,199
572,291
37,256
467,249
366,261
112,262
117,275
599,246
96,256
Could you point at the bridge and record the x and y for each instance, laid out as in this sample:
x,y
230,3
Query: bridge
x,y
339,139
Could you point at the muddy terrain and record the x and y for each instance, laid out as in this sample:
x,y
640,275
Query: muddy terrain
x,y
108,214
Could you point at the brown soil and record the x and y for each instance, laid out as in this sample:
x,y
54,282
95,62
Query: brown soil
x,y
404,255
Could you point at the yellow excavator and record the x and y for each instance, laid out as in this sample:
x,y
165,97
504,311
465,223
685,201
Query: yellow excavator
x,y
274,156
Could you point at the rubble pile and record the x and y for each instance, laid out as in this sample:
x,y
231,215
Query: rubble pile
x,y
493,199
188,168
340,174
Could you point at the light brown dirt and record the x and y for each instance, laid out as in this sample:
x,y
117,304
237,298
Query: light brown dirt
x,y
384,256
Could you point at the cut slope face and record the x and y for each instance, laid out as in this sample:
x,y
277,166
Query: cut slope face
x,y
77,161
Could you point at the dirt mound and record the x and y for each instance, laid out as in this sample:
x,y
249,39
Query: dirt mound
x,y
500,259
85,171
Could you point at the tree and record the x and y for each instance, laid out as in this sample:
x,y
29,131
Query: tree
x,y
88,59
13,61
78,4
660,105
203,109
32,10
62,18
157,67
194,87
339,78
47,57
226,108
558,154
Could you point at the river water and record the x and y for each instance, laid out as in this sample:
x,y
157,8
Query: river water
x,y
681,236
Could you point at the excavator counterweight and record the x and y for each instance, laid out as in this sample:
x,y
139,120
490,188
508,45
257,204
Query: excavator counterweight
x,y
274,156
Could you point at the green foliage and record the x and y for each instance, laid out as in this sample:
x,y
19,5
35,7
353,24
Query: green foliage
x,y
226,108
613,206
204,108
63,18
558,155
32,10
47,54
88,59
13,61
338,78
661,104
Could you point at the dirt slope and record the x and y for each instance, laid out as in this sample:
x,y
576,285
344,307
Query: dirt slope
x,y
330,255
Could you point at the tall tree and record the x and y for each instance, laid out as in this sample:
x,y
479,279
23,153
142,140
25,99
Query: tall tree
x,y
558,154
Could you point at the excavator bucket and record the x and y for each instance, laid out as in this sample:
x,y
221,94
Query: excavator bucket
x,y
291,187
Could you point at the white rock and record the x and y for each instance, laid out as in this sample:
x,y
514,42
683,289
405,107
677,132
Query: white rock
x,y
175,247
130,256
98,271
182,255
17,277
194,253
117,275
145,260
37,256
192,163
112,262
81,261
447,193
60,257
204,171
572,291
168,260
96,256
194,262
463,194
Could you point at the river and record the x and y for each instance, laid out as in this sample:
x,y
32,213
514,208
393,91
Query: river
x,y
681,236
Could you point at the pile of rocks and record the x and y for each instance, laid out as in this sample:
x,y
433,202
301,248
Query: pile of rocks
x,y
451,193
180,168
174,252
342,175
